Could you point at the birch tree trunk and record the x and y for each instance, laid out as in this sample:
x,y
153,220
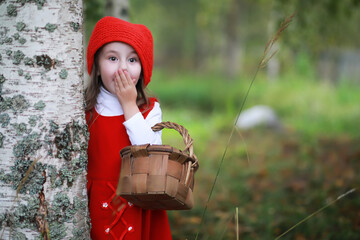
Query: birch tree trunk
x,y
234,48
273,65
117,8
43,134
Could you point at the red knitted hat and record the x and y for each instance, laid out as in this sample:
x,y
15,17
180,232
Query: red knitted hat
x,y
111,29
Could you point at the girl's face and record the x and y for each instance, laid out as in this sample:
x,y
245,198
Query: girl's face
x,y
115,56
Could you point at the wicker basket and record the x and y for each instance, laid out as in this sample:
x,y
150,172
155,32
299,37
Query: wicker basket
x,y
159,176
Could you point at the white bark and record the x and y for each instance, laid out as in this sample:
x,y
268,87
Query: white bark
x,y
234,44
43,137
117,8
273,65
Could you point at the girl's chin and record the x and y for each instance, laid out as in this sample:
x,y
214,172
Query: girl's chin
x,y
111,90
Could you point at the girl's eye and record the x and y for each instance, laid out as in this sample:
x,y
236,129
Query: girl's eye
x,y
113,59
132,60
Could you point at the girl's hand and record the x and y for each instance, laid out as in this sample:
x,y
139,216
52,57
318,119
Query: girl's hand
x,y
126,93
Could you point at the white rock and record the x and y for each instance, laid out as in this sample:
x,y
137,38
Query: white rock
x,y
259,115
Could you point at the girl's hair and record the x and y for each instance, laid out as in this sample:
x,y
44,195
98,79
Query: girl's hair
x,y
93,89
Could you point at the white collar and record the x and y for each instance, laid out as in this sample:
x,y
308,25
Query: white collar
x,y
108,104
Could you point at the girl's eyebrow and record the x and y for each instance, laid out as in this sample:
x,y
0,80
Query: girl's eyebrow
x,y
110,51
116,52
133,52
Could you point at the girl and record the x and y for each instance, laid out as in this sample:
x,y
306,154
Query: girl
x,y
119,113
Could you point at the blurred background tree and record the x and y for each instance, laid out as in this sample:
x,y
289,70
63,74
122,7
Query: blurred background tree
x,y
117,8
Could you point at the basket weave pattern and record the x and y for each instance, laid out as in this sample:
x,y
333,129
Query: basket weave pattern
x,y
159,176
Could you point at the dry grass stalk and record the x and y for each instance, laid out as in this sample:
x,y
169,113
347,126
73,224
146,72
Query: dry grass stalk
x,y
316,212
27,174
242,138
265,57
40,219
237,223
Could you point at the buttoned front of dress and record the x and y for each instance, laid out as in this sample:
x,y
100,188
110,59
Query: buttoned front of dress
x,y
111,216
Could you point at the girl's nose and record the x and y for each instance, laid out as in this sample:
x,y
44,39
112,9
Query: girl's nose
x,y
123,65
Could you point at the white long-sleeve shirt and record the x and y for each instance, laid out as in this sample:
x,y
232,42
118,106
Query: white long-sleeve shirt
x,y
138,129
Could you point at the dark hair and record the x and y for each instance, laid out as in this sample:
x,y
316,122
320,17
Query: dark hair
x,y
93,88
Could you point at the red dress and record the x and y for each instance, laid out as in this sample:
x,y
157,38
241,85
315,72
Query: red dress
x,y
112,217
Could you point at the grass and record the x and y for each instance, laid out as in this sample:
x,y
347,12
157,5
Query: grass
x,y
275,180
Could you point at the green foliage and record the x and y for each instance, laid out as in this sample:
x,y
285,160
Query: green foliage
x,y
93,10
205,91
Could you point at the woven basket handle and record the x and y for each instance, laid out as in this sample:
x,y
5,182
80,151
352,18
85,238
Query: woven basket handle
x,y
186,137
